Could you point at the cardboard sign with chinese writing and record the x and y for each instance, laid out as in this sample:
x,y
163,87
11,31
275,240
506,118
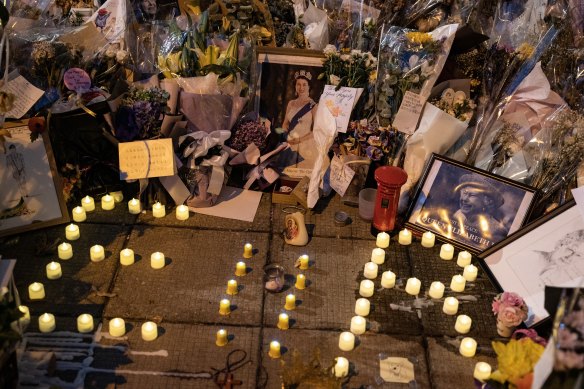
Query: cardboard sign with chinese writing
x,y
146,159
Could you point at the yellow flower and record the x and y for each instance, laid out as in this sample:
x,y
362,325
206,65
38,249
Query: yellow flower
x,y
524,51
170,64
419,38
515,359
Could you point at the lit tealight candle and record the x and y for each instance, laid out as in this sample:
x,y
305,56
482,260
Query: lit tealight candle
x,y
182,212
290,302
47,322
405,237
388,279
283,321
224,307
127,257
482,371
470,273
221,338
79,214
358,325
304,262
107,202
232,287
458,283
413,286
36,291
247,250
370,270
300,282
240,269
341,368
65,251
378,256
158,210
24,320
428,239
84,323
366,288
72,232
117,327
54,271
463,323
436,290
468,347
118,196
382,240
96,253
450,306
274,349
447,251
464,259
149,331
362,307
134,206
157,260
88,204
347,341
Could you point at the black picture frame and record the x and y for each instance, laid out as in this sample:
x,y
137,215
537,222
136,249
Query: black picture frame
x,y
276,88
31,190
468,207
547,252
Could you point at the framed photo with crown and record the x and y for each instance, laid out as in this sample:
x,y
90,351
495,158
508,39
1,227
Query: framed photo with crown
x,y
287,96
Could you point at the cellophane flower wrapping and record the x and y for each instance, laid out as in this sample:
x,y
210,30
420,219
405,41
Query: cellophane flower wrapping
x,y
409,61
519,36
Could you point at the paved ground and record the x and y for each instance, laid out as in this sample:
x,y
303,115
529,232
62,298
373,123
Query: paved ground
x,y
184,299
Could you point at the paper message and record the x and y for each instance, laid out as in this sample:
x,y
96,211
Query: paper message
x,y
26,96
396,370
578,194
408,115
340,104
341,176
146,159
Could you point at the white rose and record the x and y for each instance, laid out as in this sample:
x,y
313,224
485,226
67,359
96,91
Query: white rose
x,y
334,80
110,53
355,52
345,57
330,49
122,56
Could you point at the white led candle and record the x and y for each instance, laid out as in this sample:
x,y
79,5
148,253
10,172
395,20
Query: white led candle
x,y
54,271
436,290
283,321
157,260
464,259
362,307
117,327
413,286
72,232
482,371
304,262
447,251
358,325
378,256
96,253
224,307
405,237
366,288
370,270
341,368
127,257
36,291
346,341
463,323
232,287
182,212
240,269
134,207
382,240
88,204
221,338
470,273
47,322
274,349
158,210
79,214
468,347
149,331
65,251
107,202
428,239
458,283
450,306
290,302
247,250
388,279
84,323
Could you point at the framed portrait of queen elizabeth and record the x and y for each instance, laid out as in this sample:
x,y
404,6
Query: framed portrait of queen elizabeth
x,y
288,94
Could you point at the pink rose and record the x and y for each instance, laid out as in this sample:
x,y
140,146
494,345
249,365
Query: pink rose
x,y
511,299
511,316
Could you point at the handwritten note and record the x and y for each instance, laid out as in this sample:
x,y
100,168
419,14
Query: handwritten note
x,y
341,176
394,369
408,115
340,104
26,96
146,159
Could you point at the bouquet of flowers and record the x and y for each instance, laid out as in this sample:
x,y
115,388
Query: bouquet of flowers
x,y
510,310
515,363
409,61
456,104
355,69
139,114
365,138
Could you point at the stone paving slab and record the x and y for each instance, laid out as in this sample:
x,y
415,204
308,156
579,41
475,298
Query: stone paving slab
x,y
190,286
261,222
475,301
364,359
333,280
78,290
449,369
182,349
320,220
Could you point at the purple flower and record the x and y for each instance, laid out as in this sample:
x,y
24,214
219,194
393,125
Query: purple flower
x,y
531,334
374,153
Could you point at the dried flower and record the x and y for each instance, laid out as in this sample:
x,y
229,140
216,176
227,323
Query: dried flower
x,y
6,102
419,38
247,133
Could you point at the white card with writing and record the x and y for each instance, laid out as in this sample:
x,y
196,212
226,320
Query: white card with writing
x,y
26,95
146,159
340,104
341,176
408,114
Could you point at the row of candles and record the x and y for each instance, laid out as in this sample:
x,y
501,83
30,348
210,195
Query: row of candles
x,y
463,322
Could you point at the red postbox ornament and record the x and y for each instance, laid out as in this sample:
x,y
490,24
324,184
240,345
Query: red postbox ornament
x,y
389,182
